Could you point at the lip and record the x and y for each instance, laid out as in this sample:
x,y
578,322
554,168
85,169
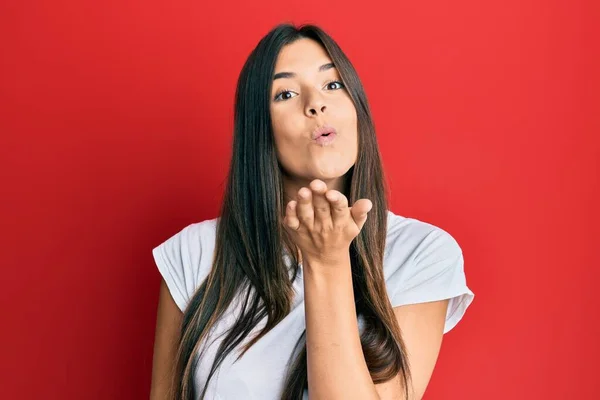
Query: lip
x,y
325,140
323,130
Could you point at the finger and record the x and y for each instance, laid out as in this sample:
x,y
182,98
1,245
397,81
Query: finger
x,y
359,211
320,204
304,209
339,206
291,219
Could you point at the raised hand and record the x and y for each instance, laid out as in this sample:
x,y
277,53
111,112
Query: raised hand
x,y
321,223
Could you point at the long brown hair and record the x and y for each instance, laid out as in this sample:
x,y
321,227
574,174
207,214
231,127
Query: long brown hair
x,y
251,241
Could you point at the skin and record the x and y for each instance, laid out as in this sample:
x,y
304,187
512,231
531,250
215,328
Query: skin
x,y
311,99
322,225
168,322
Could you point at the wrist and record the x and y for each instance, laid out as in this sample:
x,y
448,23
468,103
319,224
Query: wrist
x,y
330,265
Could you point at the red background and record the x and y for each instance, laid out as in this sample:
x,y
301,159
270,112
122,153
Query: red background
x,y
116,123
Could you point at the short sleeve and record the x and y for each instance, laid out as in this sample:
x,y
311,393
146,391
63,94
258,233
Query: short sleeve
x,y
183,260
434,270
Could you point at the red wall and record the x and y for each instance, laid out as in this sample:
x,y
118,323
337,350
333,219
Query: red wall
x,y
116,123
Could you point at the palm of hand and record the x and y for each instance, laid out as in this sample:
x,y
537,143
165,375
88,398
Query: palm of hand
x,y
321,223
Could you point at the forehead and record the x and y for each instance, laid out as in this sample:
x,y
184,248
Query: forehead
x,y
303,54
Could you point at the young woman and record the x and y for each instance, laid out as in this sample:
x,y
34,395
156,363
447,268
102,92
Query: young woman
x,y
306,286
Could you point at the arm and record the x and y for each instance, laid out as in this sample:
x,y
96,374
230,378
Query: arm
x,y
168,323
336,363
422,327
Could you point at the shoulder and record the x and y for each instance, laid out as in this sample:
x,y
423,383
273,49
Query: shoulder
x,y
185,258
191,241
416,240
424,263
205,229
203,232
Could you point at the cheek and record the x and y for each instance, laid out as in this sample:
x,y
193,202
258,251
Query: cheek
x,y
348,116
285,125
350,111
285,135
278,121
343,109
350,124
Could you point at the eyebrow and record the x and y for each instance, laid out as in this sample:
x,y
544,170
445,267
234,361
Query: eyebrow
x,y
322,68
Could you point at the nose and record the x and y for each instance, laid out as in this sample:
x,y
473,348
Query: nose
x,y
315,105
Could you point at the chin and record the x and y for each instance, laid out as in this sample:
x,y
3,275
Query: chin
x,y
333,174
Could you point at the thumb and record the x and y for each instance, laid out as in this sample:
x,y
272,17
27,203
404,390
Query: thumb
x,y
359,211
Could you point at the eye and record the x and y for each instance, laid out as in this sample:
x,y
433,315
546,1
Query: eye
x,y
340,84
284,95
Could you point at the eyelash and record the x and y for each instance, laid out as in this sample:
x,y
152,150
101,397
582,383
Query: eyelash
x,y
289,90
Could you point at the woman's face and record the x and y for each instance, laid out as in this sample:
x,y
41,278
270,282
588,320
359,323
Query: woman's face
x,y
309,96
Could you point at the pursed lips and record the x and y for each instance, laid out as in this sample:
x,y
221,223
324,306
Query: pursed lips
x,y
323,130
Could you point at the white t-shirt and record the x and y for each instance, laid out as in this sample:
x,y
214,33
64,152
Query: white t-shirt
x,y
421,263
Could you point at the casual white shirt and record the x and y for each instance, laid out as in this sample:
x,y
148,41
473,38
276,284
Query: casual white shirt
x,y
422,263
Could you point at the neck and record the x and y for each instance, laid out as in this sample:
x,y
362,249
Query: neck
x,y
291,186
